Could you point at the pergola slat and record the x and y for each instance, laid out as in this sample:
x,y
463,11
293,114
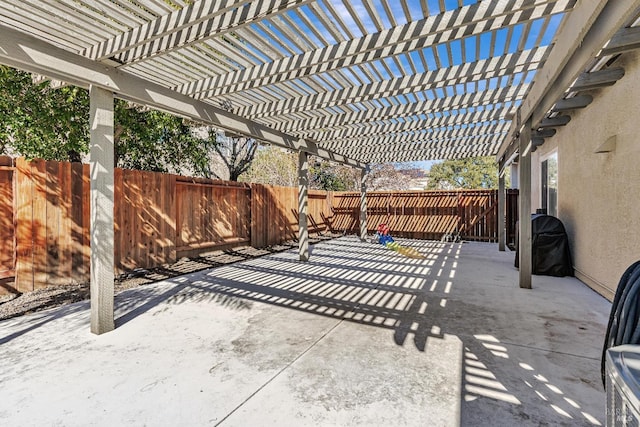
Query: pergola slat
x,y
370,47
440,104
483,69
413,139
376,128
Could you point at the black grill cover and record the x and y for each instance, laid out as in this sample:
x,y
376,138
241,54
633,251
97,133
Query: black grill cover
x,y
550,254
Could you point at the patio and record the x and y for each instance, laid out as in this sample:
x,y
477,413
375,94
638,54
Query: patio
x,y
358,335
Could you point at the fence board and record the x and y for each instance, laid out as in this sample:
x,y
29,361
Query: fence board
x,y
7,224
39,176
24,226
76,235
210,214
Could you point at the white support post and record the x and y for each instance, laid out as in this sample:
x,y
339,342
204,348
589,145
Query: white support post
x,y
501,207
101,229
363,203
303,195
524,207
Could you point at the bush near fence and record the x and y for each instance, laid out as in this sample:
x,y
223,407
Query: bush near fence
x,y
159,218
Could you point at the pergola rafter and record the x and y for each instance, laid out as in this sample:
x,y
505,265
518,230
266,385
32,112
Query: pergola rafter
x,y
388,127
374,144
469,100
430,31
193,23
486,69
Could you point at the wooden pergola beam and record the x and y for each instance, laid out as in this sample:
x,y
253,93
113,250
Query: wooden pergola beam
x,y
551,122
573,103
586,30
597,79
624,40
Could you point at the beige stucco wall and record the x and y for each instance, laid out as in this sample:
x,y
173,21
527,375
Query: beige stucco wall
x,y
599,194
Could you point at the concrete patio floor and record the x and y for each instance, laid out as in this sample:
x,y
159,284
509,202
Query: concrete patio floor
x,y
359,335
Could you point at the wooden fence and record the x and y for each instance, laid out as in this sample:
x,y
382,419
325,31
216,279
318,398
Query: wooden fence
x,y
44,218
470,214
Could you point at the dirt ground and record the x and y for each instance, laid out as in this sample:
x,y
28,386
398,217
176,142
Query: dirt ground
x,y
53,296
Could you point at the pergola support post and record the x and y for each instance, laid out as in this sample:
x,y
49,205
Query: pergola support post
x,y
101,228
303,196
363,203
524,207
501,207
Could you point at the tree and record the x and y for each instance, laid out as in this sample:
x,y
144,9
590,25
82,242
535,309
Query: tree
x,y
323,175
273,166
37,120
232,155
470,173
157,141
386,176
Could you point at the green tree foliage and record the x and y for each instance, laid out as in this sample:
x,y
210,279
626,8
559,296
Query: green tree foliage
x,y
156,141
470,173
39,121
324,175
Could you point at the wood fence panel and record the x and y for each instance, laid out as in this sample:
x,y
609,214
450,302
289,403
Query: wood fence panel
x,y
7,223
422,214
274,214
143,219
319,211
159,217
210,214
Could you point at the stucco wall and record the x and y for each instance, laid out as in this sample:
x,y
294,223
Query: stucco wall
x,y
599,194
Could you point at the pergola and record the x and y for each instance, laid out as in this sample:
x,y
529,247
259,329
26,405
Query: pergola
x,y
352,81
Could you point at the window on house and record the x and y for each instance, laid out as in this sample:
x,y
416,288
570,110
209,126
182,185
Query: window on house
x,y
549,175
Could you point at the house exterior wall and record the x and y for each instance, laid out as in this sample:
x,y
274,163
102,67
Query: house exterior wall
x,y
599,193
